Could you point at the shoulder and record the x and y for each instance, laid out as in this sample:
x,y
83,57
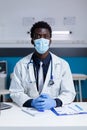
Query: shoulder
x,y
58,60
61,63
24,60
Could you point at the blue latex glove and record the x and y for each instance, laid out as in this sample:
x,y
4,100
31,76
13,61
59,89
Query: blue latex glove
x,y
43,102
35,102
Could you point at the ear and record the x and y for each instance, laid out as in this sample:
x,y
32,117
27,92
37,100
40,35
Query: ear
x,y
50,41
32,41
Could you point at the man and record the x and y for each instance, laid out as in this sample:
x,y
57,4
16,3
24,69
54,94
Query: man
x,y
56,88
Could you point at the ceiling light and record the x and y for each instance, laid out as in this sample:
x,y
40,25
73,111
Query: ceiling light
x,y
61,32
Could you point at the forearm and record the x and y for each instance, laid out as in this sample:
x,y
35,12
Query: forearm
x,y
27,103
58,102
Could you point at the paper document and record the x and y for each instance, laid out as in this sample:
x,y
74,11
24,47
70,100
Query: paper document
x,y
71,109
34,112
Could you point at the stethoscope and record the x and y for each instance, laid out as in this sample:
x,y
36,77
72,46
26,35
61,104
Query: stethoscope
x,y
51,81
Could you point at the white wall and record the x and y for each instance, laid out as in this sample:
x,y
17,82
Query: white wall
x,y
13,28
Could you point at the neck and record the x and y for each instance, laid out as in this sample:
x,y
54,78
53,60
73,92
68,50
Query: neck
x,y
42,56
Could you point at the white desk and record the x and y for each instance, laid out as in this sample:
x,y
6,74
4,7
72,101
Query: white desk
x,y
15,119
79,78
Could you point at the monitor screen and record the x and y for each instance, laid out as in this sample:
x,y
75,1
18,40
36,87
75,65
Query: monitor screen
x,y
3,67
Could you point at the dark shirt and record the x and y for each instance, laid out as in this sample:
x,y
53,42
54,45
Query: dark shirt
x,y
36,65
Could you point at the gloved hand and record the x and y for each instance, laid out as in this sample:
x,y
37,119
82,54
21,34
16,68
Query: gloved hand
x,y
43,102
37,102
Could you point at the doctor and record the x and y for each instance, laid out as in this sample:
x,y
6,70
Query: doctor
x,y
57,86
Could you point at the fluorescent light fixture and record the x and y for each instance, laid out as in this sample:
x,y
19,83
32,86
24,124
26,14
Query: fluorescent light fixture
x,y
61,32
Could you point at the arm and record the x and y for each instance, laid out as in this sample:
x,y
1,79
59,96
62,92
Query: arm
x,y
67,91
16,87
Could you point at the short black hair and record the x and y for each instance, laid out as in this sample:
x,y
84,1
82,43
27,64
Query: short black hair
x,y
40,24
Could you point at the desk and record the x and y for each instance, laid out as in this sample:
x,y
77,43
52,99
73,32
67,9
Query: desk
x,y
79,78
15,119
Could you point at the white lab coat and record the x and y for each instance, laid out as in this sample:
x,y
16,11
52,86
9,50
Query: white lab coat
x,y
23,85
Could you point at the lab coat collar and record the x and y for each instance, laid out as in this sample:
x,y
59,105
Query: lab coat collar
x,y
55,59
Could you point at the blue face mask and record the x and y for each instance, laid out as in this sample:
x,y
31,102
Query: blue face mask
x,y
41,45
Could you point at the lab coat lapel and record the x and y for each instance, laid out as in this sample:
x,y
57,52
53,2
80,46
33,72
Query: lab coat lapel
x,y
31,73
56,66
55,71
47,79
32,78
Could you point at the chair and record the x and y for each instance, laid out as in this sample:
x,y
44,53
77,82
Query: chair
x,y
77,78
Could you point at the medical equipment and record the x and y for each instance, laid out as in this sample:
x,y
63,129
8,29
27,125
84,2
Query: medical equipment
x,y
51,82
41,45
30,62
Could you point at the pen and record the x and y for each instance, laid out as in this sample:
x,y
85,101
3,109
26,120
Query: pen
x,y
79,107
54,111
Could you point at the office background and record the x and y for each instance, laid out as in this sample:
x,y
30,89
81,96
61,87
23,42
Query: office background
x,y
16,18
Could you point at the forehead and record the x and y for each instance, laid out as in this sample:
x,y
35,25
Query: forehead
x,y
41,31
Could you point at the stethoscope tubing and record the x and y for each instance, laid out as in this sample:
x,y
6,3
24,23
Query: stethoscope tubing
x,y
51,82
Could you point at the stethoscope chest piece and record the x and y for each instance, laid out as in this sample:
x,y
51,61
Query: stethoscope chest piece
x,y
51,82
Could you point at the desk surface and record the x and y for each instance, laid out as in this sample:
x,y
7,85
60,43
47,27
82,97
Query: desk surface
x,y
15,119
79,76
4,91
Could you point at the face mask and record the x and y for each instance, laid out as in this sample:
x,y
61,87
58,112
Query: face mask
x,y
41,45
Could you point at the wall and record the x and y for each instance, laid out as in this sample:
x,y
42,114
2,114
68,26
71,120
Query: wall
x,y
16,18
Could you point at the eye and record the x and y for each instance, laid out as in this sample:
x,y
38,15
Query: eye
x,y
37,36
47,36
